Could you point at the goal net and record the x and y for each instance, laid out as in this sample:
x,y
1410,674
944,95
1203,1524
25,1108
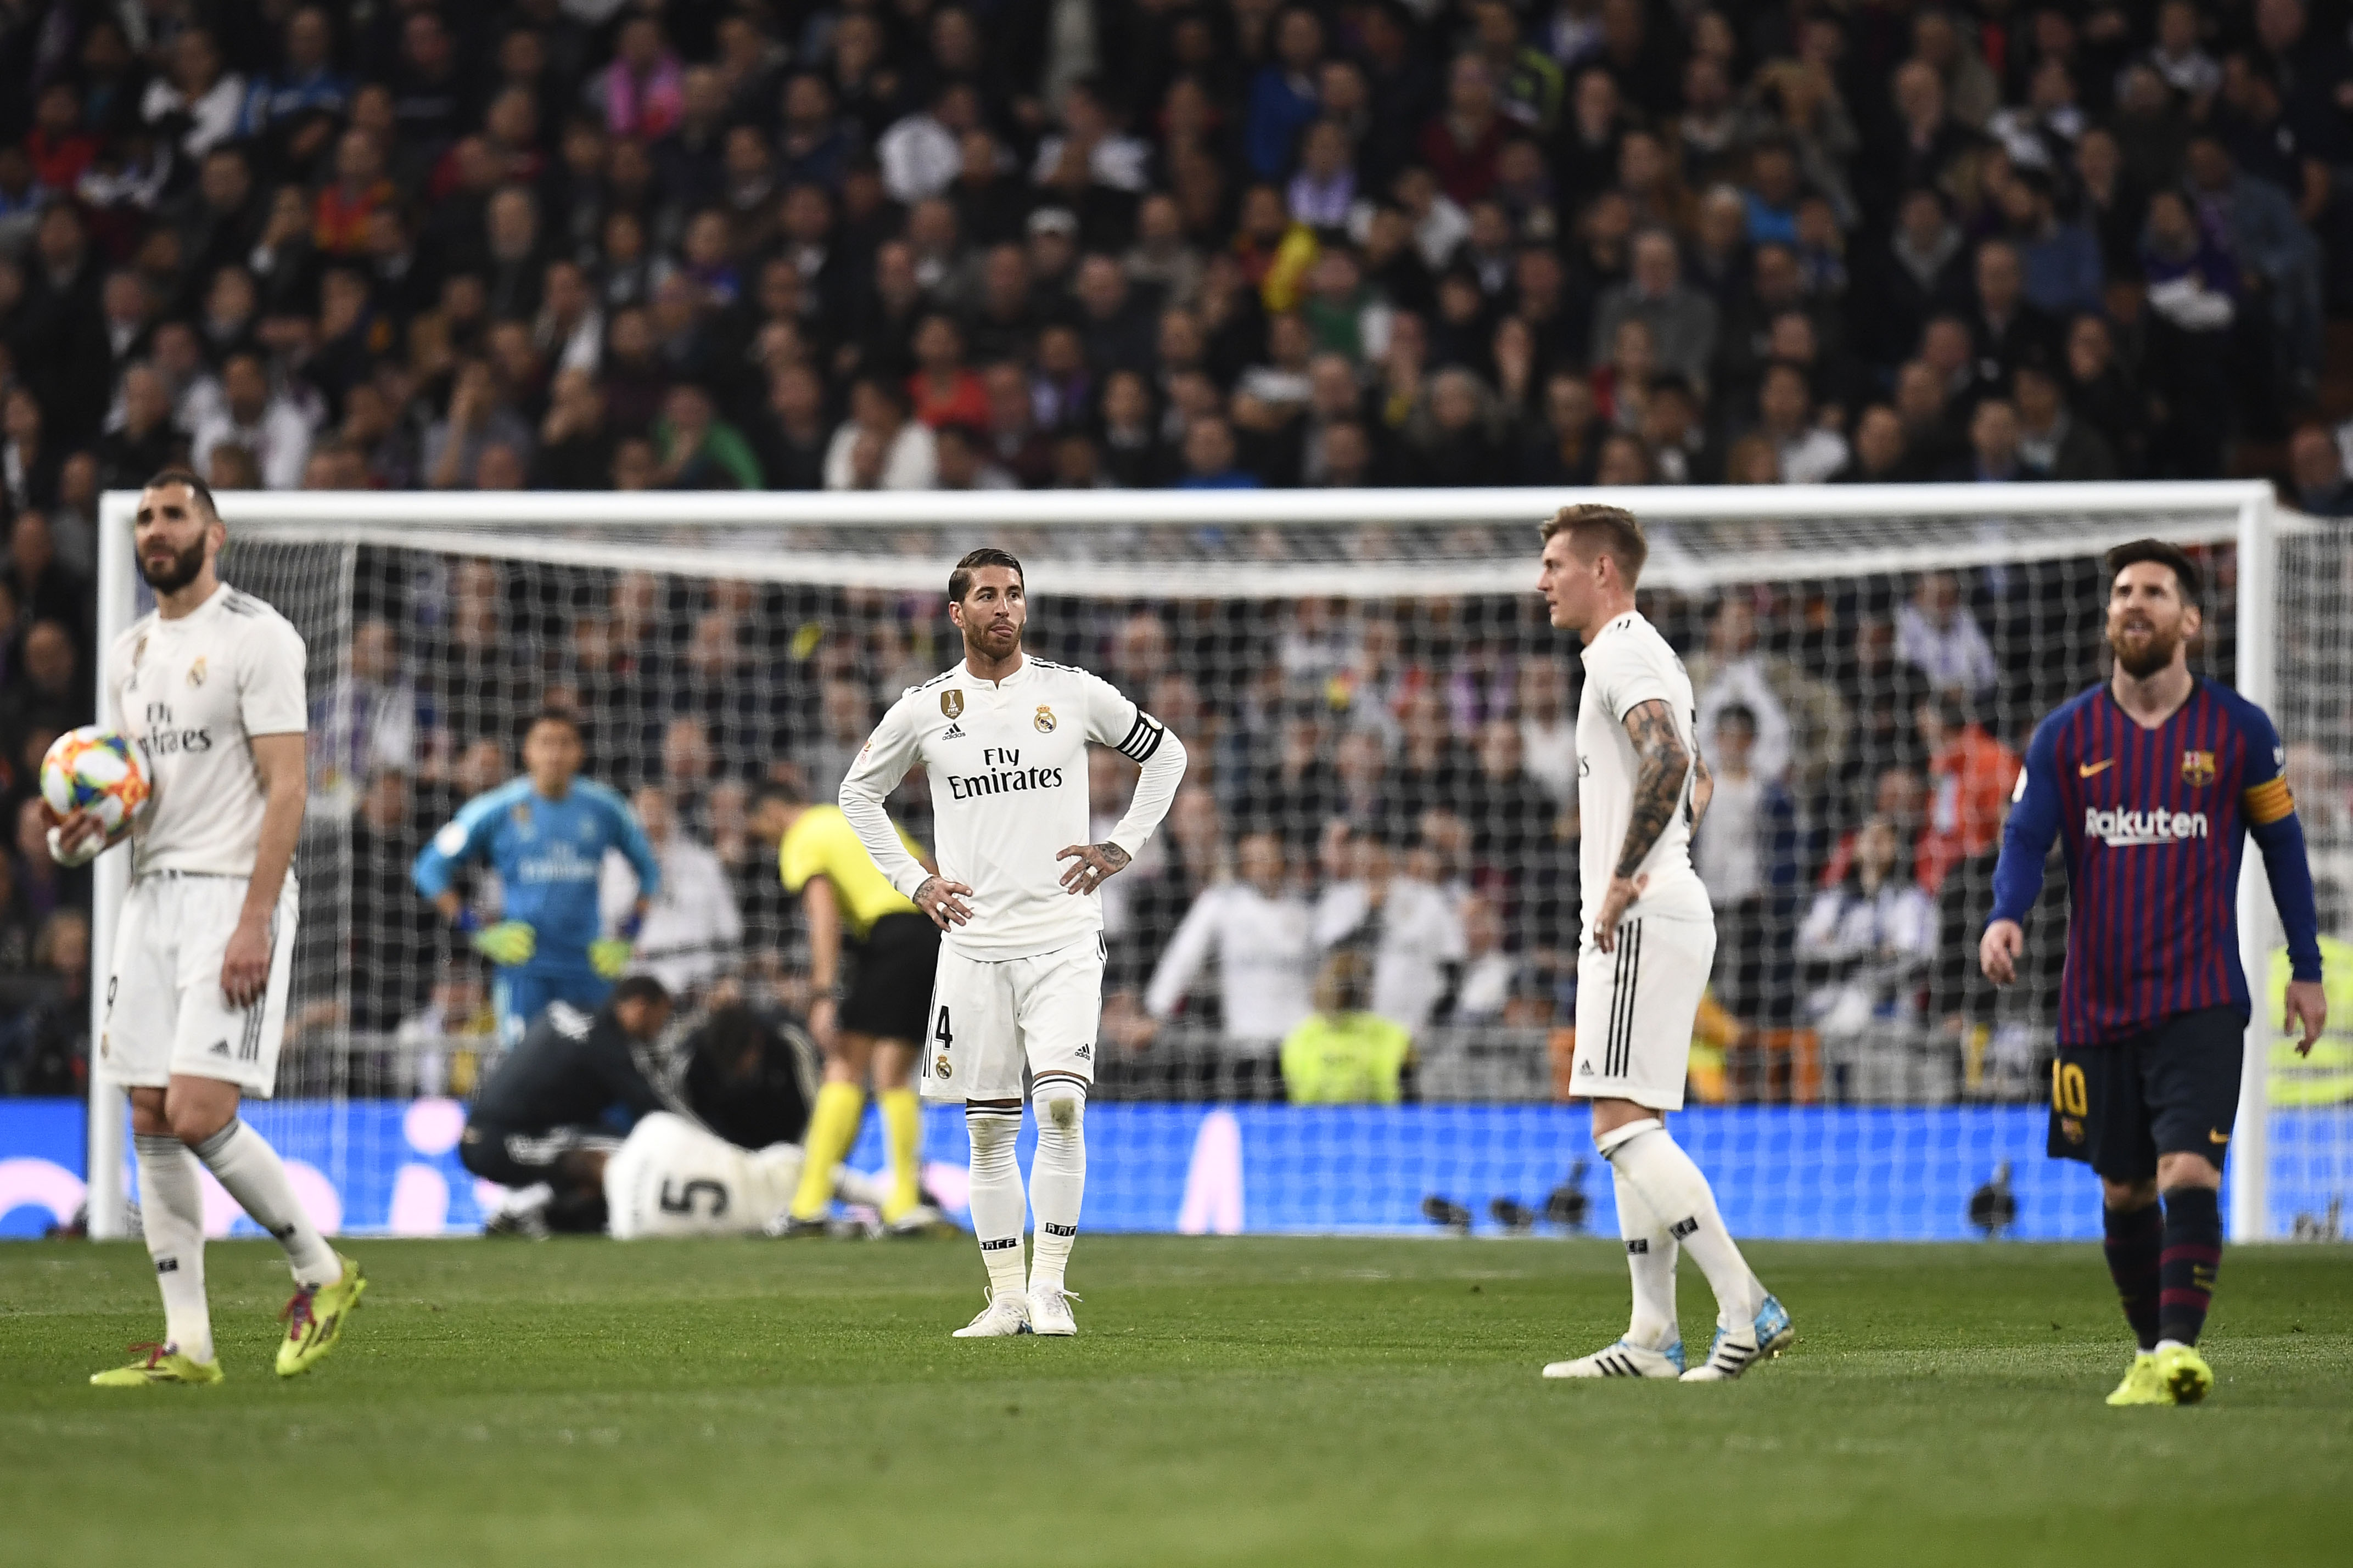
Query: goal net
x,y
1371,698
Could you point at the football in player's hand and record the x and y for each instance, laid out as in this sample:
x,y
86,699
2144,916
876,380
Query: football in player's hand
x,y
95,771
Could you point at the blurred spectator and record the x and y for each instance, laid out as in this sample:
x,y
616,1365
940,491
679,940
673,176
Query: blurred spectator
x,y
1747,853
2319,482
1547,727
2051,443
1347,1052
1682,320
368,720
1735,671
1257,927
693,931
44,1047
1970,776
264,424
877,446
1407,926
1935,635
1866,943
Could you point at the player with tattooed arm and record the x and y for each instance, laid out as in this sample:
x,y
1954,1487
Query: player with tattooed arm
x,y
1648,943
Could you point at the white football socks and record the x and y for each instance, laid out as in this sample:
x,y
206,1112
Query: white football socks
x,y
172,1212
997,1205
249,1168
1651,1253
1678,1196
1058,1178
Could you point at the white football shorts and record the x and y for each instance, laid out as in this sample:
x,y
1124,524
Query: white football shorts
x,y
1635,1008
672,1177
164,1011
991,1018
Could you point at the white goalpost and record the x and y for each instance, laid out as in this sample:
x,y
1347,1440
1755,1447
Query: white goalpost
x,y
718,639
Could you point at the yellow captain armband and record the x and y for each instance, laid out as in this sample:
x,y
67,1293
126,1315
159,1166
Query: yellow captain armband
x,y
2267,802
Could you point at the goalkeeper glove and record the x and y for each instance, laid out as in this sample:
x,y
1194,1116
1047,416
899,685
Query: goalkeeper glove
x,y
609,956
506,944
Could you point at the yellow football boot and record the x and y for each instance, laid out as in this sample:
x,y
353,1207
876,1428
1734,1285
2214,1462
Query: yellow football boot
x,y
314,1319
2141,1384
159,1365
2185,1374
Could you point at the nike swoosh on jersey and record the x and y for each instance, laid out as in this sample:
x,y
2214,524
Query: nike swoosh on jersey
x,y
2102,766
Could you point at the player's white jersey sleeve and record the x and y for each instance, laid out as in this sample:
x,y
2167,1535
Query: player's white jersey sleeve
x,y
1626,664
1113,721
193,693
895,747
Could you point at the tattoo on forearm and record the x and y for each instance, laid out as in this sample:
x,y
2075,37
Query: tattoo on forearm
x,y
1662,770
924,886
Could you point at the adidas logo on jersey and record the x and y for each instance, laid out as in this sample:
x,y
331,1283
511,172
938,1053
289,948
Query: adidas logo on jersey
x,y
219,1048
1085,1053
954,732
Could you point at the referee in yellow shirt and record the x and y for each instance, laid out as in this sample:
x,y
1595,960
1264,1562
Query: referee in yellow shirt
x,y
875,1023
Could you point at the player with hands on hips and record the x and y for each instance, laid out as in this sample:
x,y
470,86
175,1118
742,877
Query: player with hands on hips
x,y
1003,738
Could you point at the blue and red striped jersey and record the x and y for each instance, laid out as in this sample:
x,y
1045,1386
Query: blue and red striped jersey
x,y
2152,825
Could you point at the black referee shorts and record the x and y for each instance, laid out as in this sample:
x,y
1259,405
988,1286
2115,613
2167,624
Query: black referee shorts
x,y
892,991
2170,1089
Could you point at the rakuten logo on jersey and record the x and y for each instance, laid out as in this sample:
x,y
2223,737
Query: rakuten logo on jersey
x,y
2118,829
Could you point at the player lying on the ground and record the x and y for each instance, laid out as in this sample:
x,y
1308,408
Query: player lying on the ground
x,y
1004,738
2153,780
210,687
1649,942
872,1026
731,1166
545,835
555,1107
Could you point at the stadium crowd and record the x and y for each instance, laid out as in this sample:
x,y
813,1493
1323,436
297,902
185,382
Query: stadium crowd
x,y
574,244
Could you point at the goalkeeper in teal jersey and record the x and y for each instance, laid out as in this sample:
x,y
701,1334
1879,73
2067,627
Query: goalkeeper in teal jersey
x,y
545,835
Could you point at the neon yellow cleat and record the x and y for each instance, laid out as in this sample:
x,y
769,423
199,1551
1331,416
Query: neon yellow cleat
x,y
2185,1374
2141,1384
314,1319
162,1364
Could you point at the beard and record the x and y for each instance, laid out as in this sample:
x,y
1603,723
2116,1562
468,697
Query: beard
x,y
2152,655
996,641
177,573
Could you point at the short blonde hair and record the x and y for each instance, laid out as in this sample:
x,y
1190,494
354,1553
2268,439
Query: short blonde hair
x,y
1610,530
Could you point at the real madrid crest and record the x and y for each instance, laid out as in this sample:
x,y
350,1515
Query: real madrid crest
x,y
1044,720
952,702
196,671
2196,768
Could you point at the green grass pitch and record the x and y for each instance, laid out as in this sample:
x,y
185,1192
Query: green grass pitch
x,y
1230,1401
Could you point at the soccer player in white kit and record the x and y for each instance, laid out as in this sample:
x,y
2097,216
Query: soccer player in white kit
x,y
1019,983
1644,959
210,687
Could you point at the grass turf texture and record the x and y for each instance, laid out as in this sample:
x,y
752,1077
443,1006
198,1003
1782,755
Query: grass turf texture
x,y
1250,1400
